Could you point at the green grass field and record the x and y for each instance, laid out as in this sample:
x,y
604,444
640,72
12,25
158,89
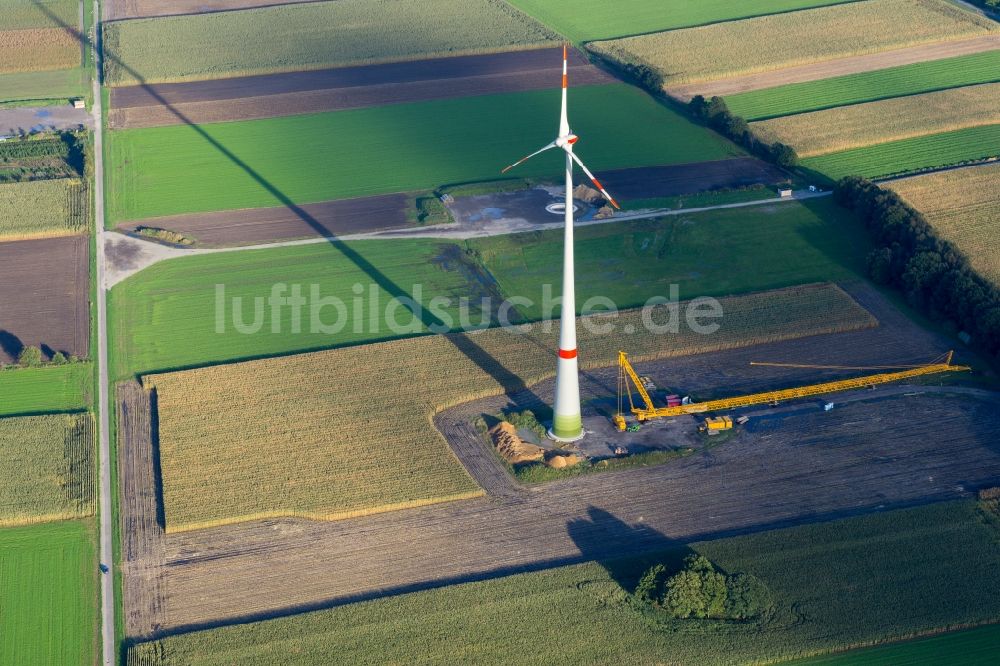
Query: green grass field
x,y
971,647
47,472
707,254
165,317
867,87
585,20
60,84
835,585
63,388
22,14
405,147
48,594
909,155
310,36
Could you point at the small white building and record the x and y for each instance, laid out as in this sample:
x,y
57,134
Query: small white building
x,y
785,194
79,104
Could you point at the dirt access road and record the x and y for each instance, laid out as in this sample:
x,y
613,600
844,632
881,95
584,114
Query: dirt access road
x,y
832,68
270,95
870,454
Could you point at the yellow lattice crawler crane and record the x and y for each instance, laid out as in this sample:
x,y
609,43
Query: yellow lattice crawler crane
x,y
627,379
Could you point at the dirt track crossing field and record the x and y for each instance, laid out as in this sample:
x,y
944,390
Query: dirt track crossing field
x,y
260,225
44,295
838,67
124,9
273,95
869,454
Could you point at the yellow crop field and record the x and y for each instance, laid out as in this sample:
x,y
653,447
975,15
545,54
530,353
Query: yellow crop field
x,y
738,48
47,468
349,432
38,49
964,206
860,125
43,208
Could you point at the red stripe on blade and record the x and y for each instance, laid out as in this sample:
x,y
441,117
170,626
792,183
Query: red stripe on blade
x,y
567,353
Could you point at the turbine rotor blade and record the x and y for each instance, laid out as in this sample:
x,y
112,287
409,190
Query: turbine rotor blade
x,y
564,117
594,180
525,159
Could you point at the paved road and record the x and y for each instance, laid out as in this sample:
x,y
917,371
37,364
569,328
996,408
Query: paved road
x,y
104,444
129,255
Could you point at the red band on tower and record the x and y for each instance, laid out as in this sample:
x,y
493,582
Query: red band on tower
x,y
567,353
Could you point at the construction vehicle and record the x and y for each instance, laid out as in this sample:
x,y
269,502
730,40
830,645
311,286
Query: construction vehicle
x,y
718,423
629,380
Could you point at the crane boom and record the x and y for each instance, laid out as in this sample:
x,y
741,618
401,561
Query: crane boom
x,y
651,412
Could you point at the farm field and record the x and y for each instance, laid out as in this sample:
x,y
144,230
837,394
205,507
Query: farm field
x,y
48,593
859,125
204,432
55,84
63,388
706,254
48,470
313,91
896,560
37,50
740,48
51,308
24,14
910,155
122,9
310,36
43,209
165,317
977,647
301,158
592,19
963,205
887,83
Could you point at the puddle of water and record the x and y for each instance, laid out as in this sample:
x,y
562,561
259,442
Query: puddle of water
x,y
43,113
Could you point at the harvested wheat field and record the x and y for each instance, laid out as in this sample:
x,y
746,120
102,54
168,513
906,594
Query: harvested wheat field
x,y
964,206
37,50
292,437
767,43
46,468
859,125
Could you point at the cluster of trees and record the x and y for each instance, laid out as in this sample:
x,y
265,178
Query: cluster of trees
x,y
701,591
42,157
714,113
933,274
32,357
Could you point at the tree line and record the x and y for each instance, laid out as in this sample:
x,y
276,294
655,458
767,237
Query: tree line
x,y
934,275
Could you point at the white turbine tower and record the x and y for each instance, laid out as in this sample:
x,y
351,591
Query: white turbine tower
x,y
567,424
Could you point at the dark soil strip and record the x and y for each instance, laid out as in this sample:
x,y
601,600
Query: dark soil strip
x,y
666,181
262,225
272,95
44,296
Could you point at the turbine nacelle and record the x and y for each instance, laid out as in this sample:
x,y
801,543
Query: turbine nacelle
x,y
565,142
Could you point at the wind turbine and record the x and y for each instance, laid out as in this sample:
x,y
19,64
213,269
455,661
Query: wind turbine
x,y
567,424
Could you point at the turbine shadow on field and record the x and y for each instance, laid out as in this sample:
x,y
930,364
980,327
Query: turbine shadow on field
x,y
509,381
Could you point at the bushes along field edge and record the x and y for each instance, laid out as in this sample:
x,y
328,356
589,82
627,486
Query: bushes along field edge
x,y
932,273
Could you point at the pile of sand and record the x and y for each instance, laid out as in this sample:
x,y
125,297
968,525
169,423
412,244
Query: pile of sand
x,y
511,447
588,194
561,461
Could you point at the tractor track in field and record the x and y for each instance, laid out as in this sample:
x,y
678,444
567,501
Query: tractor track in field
x,y
787,467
